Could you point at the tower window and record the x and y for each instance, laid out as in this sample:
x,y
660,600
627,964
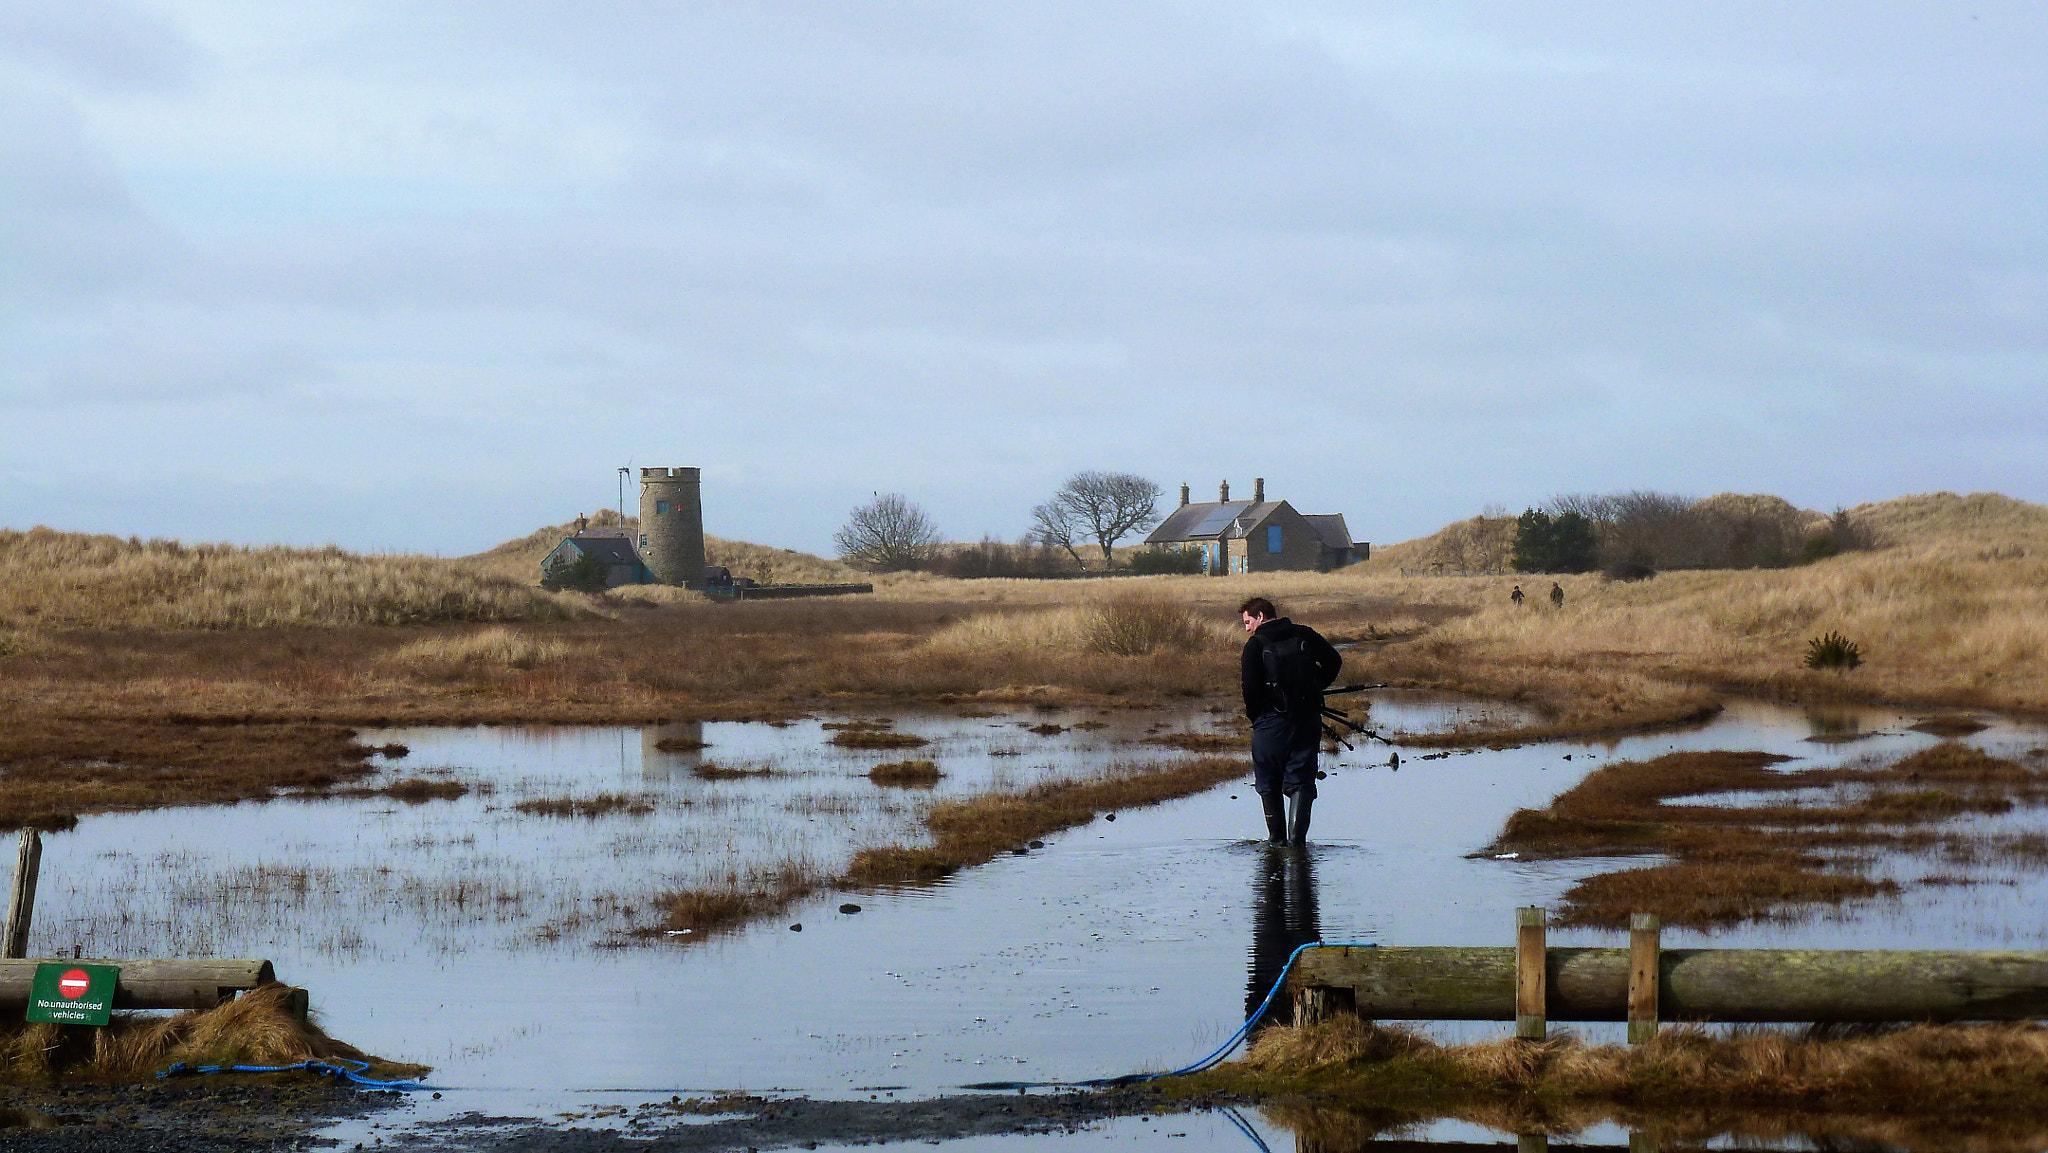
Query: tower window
x,y
661,508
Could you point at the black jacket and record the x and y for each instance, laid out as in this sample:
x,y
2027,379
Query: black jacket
x,y
1258,699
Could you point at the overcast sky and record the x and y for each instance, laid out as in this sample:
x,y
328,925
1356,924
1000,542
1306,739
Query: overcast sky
x,y
422,275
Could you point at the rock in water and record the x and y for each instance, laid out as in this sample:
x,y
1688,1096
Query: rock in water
x,y
849,907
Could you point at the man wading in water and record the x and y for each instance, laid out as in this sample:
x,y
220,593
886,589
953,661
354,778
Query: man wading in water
x,y
1286,667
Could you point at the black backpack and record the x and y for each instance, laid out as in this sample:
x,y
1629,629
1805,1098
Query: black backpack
x,y
1291,676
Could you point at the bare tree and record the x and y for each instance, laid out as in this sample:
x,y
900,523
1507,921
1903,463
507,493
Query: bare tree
x,y
1053,524
887,534
1109,506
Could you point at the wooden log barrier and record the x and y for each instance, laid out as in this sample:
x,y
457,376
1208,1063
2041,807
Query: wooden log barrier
x,y
1452,983
154,984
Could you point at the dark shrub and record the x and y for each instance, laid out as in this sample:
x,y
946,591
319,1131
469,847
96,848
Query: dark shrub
x,y
1153,561
1832,650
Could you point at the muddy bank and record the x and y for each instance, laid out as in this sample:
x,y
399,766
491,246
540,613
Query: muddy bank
x,y
740,1122
196,1116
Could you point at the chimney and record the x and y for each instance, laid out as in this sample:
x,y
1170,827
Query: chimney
x,y
1223,492
1258,490
1183,495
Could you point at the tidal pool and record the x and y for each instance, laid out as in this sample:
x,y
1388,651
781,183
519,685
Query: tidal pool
x,y
494,945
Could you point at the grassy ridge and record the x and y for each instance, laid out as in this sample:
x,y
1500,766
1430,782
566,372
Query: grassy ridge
x,y
1949,611
55,580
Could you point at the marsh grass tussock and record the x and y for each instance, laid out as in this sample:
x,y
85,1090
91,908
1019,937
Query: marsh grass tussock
x,y
1198,742
586,808
254,1029
906,774
876,739
420,790
713,771
1924,1068
57,768
964,833
972,831
1765,859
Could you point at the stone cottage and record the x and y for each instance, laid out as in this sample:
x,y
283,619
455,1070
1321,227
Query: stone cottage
x,y
612,549
1257,535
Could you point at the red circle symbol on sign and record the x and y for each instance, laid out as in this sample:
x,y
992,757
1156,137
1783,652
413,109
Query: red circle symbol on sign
x,y
73,984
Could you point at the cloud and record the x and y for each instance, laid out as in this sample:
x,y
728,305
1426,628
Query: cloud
x,y
104,44
1402,262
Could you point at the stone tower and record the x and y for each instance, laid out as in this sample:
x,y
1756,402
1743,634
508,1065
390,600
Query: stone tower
x,y
672,521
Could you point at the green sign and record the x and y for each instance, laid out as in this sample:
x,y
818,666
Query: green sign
x,y
67,993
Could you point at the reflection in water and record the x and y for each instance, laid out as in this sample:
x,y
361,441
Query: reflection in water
x,y
669,752
1835,725
1283,919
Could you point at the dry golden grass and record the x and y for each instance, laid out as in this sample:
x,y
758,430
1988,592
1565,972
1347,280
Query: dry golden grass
x,y
1114,619
1944,1069
1952,611
1480,544
496,647
54,580
1944,617
254,1029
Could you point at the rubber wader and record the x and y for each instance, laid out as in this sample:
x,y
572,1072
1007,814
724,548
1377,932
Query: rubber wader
x,y
1276,818
1298,807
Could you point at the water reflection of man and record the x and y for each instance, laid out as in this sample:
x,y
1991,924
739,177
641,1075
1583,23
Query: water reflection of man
x,y
1284,918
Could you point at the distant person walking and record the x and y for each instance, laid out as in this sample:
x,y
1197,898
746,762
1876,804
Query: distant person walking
x,y
1556,595
1516,596
1285,668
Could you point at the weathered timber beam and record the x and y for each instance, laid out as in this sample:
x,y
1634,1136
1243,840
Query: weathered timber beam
x,y
151,984
1478,984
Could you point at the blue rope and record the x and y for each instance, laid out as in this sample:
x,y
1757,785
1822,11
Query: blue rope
x,y
1245,1128
341,1067
1206,1063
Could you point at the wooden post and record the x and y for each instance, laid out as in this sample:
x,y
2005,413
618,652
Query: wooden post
x,y
1529,976
1532,1143
1639,1141
1644,953
21,906
1318,1003
298,1002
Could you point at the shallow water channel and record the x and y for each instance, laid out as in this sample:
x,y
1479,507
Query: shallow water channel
x,y
495,945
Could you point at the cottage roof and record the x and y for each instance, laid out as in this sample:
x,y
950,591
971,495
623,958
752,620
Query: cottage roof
x,y
603,549
1211,520
1223,520
1330,528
